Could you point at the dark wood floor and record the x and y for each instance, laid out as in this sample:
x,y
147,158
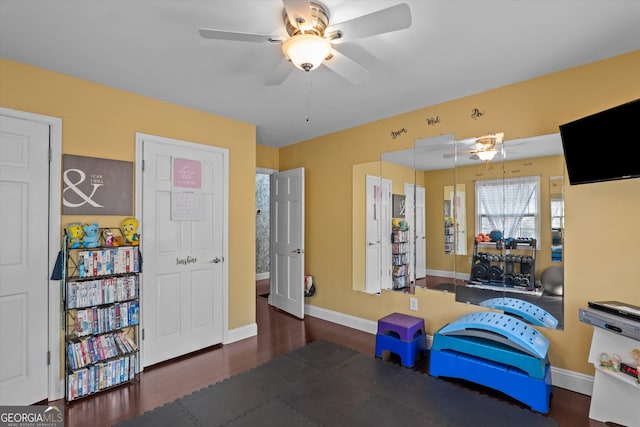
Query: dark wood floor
x,y
278,333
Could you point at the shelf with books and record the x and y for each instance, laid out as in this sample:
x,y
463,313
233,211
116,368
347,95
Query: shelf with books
x,y
100,301
399,258
449,231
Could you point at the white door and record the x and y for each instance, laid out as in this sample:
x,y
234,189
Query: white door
x,y
378,226
386,225
24,263
415,217
184,246
421,239
287,241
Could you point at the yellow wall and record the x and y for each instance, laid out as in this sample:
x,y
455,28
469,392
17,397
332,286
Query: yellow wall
x,y
99,121
602,232
266,157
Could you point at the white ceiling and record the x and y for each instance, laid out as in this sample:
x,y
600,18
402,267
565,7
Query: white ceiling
x,y
453,48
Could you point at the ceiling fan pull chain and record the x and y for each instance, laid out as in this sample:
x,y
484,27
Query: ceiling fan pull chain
x,y
308,106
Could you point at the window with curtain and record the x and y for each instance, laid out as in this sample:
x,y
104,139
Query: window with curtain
x,y
511,205
557,214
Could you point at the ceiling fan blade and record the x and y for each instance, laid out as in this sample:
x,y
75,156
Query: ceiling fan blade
x,y
279,73
298,11
458,153
383,21
345,67
240,37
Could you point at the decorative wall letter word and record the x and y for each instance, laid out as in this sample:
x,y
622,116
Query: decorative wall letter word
x,y
185,261
93,186
398,132
432,121
476,114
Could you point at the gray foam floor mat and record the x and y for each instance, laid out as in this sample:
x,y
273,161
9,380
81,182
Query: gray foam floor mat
x,y
325,384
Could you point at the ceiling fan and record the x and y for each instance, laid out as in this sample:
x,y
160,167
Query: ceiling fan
x,y
481,148
311,37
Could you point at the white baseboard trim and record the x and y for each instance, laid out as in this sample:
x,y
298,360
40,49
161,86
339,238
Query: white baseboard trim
x,y
262,276
342,319
574,381
569,380
449,274
241,333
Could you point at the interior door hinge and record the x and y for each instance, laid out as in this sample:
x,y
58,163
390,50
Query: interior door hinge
x,y
142,165
143,335
48,358
50,154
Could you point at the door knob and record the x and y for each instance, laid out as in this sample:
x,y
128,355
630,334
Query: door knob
x,y
215,260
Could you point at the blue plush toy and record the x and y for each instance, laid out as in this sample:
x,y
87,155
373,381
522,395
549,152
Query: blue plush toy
x,y
91,235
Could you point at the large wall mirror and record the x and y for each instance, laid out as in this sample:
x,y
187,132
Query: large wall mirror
x,y
424,210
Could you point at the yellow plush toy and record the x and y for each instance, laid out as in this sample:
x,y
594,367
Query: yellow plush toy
x,y
129,228
75,235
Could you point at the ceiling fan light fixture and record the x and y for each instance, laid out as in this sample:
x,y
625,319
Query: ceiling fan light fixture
x,y
486,155
306,51
487,150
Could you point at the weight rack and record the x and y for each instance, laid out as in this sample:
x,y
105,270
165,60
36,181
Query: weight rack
x,y
498,266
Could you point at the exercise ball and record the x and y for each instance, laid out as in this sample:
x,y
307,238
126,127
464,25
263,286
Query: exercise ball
x,y
552,280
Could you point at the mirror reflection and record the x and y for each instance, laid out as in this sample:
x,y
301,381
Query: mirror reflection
x,y
556,199
444,201
405,168
512,206
455,223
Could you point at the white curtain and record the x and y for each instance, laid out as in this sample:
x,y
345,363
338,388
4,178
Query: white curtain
x,y
504,203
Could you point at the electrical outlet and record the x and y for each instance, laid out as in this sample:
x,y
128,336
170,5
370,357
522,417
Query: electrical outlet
x,y
470,260
413,304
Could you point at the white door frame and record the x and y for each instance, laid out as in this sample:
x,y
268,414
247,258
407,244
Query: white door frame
x,y
140,137
56,384
265,171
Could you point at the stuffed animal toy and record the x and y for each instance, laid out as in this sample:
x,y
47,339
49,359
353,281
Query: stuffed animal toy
x,y
75,235
129,227
399,224
91,235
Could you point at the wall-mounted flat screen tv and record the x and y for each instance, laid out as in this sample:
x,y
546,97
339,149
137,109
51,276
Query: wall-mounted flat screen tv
x,y
604,146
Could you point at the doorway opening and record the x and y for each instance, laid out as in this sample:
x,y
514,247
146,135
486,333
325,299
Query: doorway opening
x,y
263,226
